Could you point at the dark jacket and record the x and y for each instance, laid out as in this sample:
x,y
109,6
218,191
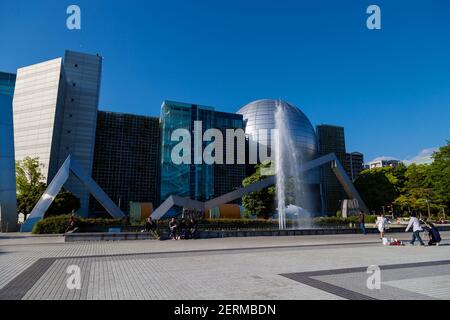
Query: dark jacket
x,y
434,234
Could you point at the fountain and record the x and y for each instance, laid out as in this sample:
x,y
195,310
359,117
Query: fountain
x,y
288,159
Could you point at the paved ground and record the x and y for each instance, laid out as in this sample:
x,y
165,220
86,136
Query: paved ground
x,y
303,267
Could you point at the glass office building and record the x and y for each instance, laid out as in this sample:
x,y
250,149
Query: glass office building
x,y
8,205
331,139
7,83
196,181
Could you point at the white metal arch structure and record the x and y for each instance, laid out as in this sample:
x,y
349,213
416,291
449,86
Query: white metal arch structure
x,y
331,158
69,165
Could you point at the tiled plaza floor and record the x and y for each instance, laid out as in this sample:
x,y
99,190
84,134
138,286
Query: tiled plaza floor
x,y
303,267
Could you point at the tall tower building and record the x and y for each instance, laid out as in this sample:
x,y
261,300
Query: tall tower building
x,y
55,114
8,204
354,164
331,139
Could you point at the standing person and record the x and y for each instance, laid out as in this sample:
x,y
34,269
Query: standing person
x,y
381,224
149,224
193,229
417,229
362,222
173,225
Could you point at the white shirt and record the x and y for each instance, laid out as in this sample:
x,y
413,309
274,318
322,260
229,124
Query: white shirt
x,y
381,223
415,223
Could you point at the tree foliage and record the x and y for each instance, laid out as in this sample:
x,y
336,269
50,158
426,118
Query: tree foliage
x,y
262,202
377,187
418,187
30,187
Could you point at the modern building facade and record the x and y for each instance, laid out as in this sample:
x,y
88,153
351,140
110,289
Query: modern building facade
x,y
354,164
383,163
196,180
228,177
7,84
8,204
82,77
331,139
260,116
55,112
126,159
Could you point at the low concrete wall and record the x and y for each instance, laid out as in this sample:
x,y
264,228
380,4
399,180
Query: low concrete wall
x,y
204,234
106,236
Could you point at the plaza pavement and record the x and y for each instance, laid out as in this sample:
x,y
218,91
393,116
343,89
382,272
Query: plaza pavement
x,y
300,267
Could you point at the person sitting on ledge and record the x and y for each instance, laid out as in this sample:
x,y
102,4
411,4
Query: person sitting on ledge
x,y
183,229
173,225
71,224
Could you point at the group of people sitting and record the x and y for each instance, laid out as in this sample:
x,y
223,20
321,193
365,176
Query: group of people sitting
x,y
185,229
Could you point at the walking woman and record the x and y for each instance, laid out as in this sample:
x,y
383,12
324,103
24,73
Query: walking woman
x,y
381,224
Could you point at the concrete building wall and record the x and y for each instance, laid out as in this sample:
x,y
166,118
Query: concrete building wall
x,y
55,114
8,205
37,107
82,74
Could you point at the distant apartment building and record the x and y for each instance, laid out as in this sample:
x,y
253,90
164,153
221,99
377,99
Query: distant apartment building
x,y
383,163
8,204
354,164
331,139
126,159
55,114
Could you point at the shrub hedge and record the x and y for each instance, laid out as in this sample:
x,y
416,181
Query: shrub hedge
x,y
58,224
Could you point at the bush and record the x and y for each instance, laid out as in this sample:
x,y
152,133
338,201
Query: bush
x,y
58,224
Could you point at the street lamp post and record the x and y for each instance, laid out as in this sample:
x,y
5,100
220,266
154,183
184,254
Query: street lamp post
x,y
428,206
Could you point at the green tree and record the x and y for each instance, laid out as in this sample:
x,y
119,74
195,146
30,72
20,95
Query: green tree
x,y
64,203
439,174
30,187
378,187
262,202
29,183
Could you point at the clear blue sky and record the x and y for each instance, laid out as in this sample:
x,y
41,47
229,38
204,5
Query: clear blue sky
x,y
390,89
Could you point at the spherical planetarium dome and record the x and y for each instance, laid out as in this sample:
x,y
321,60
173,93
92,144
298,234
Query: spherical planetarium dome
x,y
260,114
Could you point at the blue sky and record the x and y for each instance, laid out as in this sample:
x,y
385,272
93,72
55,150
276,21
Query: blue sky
x,y
389,88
